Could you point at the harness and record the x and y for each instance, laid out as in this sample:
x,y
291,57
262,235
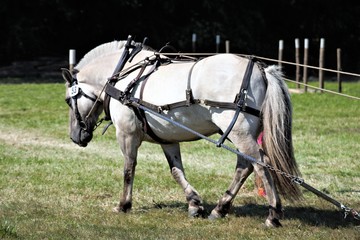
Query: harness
x,y
74,93
126,97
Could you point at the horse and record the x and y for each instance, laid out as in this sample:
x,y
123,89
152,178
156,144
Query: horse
x,y
206,89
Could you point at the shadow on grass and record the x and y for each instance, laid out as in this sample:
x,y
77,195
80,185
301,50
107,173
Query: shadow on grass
x,y
308,215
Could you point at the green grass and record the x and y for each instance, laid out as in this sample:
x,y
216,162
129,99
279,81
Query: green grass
x,y
52,189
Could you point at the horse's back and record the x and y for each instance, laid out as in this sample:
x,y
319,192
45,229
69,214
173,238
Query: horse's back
x,y
216,78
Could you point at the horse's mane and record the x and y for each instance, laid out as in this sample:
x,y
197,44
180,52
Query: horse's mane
x,y
103,50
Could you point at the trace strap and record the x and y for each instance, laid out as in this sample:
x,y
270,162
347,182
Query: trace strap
x,y
294,179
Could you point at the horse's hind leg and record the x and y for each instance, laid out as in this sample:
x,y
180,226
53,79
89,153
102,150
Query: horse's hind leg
x,y
242,171
248,146
172,153
275,207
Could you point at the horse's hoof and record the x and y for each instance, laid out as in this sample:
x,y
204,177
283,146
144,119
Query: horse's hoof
x,y
116,210
214,215
274,223
120,210
195,212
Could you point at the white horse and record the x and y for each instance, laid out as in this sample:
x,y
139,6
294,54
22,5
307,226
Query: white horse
x,y
212,82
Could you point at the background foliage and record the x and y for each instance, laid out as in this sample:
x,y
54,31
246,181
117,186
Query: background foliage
x,y
50,27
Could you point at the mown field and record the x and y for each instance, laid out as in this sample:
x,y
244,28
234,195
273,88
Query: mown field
x,y
52,189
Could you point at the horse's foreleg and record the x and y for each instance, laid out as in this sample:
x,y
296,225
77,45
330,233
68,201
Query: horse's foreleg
x,y
173,156
129,149
242,171
129,174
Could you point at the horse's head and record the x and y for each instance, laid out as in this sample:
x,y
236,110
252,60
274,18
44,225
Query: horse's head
x,y
84,108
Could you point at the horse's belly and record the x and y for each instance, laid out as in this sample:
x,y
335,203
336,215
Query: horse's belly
x,y
196,118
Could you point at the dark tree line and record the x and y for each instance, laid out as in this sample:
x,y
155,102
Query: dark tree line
x,y
50,27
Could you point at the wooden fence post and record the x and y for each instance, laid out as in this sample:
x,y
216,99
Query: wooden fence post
x,y
297,60
227,46
338,56
72,59
321,63
193,41
217,41
306,53
280,55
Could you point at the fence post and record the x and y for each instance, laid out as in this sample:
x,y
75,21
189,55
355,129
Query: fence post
x,y
280,55
72,59
193,41
306,53
217,41
297,60
321,63
227,46
338,56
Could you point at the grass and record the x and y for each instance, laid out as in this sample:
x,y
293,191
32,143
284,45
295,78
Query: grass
x,y
52,189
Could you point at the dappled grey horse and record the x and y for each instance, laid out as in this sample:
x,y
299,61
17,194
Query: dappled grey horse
x,y
225,93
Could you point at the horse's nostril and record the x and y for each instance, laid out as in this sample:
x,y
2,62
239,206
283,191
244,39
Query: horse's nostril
x,y
83,125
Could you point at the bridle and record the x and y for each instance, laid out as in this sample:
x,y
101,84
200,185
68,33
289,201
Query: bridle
x,y
75,92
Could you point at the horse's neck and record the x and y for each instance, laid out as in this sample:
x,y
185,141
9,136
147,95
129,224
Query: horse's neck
x,y
139,58
96,74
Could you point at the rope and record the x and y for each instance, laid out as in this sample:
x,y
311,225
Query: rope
x,y
285,62
322,89
263,58
308,66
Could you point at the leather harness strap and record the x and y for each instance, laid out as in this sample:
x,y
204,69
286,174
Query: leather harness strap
x,y
240,101
125,98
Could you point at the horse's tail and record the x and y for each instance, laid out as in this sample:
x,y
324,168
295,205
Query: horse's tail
x,y
277,139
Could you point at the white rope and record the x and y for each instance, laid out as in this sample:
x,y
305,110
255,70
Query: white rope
x,y
285,62
309,66
264,58
322,89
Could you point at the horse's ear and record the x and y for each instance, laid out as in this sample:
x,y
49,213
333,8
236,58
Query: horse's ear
x,y
66,74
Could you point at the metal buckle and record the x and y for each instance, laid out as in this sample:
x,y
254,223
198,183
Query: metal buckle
x,y
298,180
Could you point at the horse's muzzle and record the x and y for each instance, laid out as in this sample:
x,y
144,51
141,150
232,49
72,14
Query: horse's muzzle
x,y
82,138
